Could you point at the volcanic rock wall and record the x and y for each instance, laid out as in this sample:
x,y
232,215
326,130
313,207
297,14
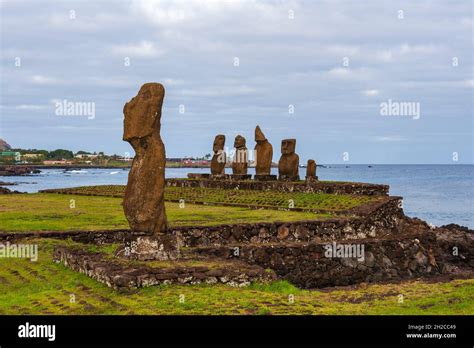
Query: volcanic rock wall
x,y
285,186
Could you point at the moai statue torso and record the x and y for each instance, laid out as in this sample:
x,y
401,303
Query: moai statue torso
x,y
263,152
143,201
239,163
311,170
219,159
289,160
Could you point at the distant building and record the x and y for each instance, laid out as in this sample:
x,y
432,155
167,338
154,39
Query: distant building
x,y
31,155
194,162
54,162
86,155
124,159
9,156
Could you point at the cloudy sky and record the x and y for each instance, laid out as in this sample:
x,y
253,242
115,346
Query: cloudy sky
x,y
317,71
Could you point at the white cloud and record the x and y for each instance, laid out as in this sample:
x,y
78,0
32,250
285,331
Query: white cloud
x,y
30,107
283,61
342,50
370,92
389,138
45,80
187,12
405,50
339,72
218,91
144,49
469,83
172,82
348,73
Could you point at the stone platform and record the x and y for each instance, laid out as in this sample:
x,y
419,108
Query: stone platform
x,y
385,246
122,274
389,246
425,253
312,186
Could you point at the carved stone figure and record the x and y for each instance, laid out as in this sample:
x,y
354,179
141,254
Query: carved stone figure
x,y
239,162
263,152
311,170
143,202
219,158
289,161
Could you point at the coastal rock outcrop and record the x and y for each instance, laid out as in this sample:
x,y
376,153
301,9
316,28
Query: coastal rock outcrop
x,y
4,146
17,170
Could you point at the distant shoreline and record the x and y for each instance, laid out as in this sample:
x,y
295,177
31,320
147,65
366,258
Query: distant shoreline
x,y
85,166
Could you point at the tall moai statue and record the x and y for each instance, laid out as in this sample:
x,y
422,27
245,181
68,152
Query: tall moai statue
x,y
219,158
264,156
311,171
143,202
289,161
240,160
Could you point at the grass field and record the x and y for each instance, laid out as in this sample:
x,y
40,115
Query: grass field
x,y
44,287
57,212
269,199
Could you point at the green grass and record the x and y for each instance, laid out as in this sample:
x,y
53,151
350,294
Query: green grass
x,y
269,199
44,287
53,212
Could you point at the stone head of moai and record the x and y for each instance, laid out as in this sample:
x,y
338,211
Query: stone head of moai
x,y
218,161
263,153
289,161
288,146
143,114
239,162
219,142
311,169
259,136
239,142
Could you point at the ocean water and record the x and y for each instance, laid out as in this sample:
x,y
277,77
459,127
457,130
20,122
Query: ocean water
x,y
439,194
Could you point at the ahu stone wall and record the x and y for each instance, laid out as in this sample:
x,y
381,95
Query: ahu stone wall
x,y
352,188
308,265
384,219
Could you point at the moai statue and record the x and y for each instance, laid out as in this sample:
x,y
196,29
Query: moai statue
x,y
311,171
143,202
289,161
219,159
239,162
264,156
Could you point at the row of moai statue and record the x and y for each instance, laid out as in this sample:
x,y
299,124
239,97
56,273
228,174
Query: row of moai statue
x,y
287,166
